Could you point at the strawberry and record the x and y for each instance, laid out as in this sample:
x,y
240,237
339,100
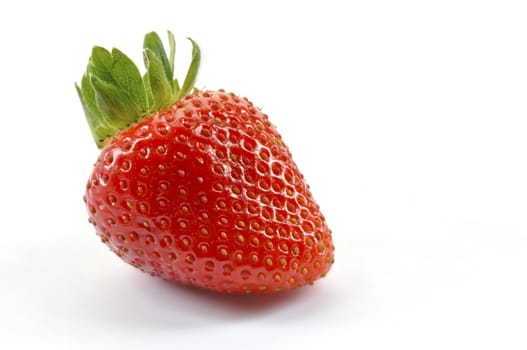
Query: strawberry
x,y
196,186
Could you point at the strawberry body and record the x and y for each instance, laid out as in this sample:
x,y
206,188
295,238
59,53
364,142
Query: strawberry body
x,y
206,193
195,186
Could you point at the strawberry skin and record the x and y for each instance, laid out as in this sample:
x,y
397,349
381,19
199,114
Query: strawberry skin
x,y
196,187
206,193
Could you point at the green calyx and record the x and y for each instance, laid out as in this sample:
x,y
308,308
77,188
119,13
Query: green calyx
x,y
114,95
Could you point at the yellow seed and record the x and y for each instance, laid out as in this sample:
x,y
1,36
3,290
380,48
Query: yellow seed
x,y
269,261
209,265
241,224
264,155
239,256
186,241
174,268
146,224
269,245
317,265
291,280
304,271
223,251
283,262
261,276
245,274
262,287
294,265
294,221
254,258
296,250
277,277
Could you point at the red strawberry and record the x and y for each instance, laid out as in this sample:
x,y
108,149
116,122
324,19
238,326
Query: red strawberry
x,y
196,187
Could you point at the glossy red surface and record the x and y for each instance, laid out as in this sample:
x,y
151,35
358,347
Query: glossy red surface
x,y
206,193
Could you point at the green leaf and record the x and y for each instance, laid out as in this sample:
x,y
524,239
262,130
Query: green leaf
x,y
176,88
118,70
98,126
114,94
117,109
148,90
192,72
128,78
172,45
159,84
88,95
153,43
100,63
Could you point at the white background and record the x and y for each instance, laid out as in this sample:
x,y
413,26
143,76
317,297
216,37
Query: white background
x,y
408,119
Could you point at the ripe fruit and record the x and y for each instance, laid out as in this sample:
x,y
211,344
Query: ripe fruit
x,y
196,186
